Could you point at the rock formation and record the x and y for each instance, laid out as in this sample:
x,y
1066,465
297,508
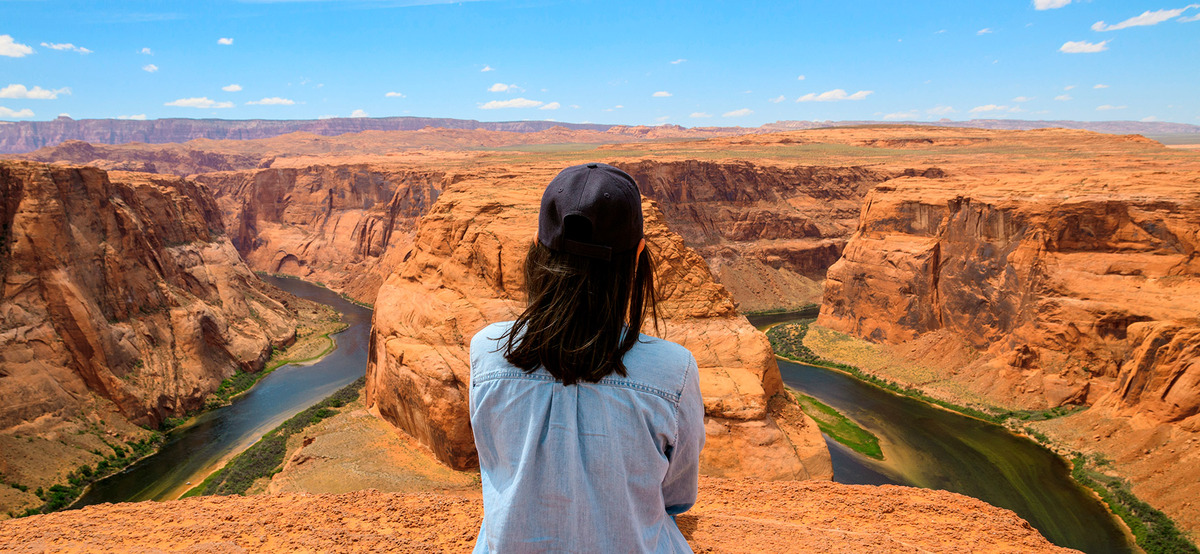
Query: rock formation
x,y
330,224
122,291
462,272
734,515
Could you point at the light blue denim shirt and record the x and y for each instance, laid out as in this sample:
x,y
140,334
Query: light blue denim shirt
x,y
591,467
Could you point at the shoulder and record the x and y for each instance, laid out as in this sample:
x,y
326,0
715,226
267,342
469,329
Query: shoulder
x,y
489,340
661,362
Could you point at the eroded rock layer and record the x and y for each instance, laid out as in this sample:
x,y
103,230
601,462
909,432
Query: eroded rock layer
x,y
330,224
462,272
125,288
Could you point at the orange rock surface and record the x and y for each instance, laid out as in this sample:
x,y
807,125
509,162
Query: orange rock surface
x,y
122,301
463,271
737,515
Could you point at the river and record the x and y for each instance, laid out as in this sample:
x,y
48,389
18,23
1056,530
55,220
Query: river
x,y
925,446
193,451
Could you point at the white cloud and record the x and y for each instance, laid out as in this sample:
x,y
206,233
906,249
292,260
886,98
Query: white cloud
x,y
359,113
501,87
984,31
551,106
150,68
679,61
14,49
1022,99
146,51
700,114
35,93
661,94
1100,86
1049,4
326,116
200,102
800,78
514,103
5,112
1083,47
272,101
662,119
738,113
225,41
487,68
232,88
1190,18
990,108
1147,18
1063,97
394,95
1068,87
777,99
137,117
574,106
1107,107
833,96
911,114
1149,119
66,46
940,110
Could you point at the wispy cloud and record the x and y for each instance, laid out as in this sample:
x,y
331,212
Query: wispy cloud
x,y
993,108
146,51
136,117
911,114
1190,18
777,99
1083,47
941,110
1023,99
66,46
1098,86
514,103
35,93
738,113
1068,87
1149,119
551,106
272,101
232,88
501,87
359,113
1063,97
225,41
149,68
834,96
394,95
198,102
984,31
1049,4
700,114
1145,19
661,94
6,112
1107,107
14,49
487,68
679,61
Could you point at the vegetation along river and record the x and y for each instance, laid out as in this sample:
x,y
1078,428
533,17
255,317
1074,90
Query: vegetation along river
x,y
926,446
194,450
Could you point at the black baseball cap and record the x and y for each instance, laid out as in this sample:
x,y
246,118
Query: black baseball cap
x,y
593,210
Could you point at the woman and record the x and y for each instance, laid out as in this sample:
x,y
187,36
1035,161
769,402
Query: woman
x,y
589,432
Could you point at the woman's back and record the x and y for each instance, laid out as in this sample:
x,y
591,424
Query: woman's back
x,y
589,467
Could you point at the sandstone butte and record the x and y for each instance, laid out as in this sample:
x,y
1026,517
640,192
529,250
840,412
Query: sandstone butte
x,y
123,304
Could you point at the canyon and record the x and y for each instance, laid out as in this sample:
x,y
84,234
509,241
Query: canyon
x,y
124,303
1020,269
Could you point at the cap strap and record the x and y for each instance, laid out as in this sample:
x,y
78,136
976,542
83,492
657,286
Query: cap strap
x,y
589,250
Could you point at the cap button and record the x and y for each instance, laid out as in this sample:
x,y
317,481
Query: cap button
x,y
591,166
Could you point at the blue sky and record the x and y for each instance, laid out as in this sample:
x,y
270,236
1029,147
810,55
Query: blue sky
x,y
643,62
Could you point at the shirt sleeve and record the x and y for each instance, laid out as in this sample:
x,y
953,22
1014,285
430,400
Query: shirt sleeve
x,y
683,472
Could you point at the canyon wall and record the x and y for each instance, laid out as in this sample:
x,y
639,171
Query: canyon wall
x,y
463,271
125,288
331,224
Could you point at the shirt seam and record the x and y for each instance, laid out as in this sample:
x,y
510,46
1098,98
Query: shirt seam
x,y
620,383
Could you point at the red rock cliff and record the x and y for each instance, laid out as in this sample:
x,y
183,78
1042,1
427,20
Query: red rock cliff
x,y
462,272
125,288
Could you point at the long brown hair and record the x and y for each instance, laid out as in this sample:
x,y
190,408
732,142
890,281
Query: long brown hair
x,y
583,314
